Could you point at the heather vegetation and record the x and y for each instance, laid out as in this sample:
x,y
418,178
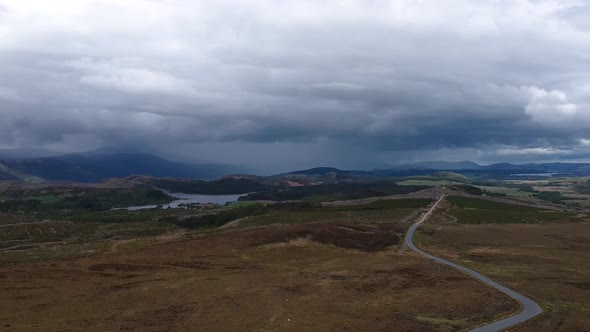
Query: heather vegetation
x,y
56,201
469,210
333,191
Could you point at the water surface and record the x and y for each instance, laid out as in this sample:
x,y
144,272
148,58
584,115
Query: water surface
x,y
546,175
182,198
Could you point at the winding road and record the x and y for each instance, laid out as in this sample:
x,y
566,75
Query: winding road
x,y
530,308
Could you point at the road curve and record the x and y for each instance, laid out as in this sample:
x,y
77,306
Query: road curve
x,y
530,308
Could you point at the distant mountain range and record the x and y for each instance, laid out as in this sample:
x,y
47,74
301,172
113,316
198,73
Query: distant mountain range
x,y
467,168
328,170
12,154
102,165
442,165
99,166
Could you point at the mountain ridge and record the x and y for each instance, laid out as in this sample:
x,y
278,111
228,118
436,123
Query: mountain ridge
x,y
101,165
95,167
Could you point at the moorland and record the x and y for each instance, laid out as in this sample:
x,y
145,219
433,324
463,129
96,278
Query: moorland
x,y
308,250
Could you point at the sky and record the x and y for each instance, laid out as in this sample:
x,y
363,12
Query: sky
x,y
277,85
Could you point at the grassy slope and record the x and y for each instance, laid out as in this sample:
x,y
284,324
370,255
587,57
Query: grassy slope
x,y
469,210
379,211
54,203
514,192
428,183
333,191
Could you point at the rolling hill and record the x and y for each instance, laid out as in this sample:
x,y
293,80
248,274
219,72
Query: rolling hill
x,y
99,166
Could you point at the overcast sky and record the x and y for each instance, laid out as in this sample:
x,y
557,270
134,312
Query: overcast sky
x,y
283,84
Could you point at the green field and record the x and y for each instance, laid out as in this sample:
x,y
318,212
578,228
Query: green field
x,y
47,199
379,211
239,204
53,202
325,198
333,192
513,192
480,211
427,183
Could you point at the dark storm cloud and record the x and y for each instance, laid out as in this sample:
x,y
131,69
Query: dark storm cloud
x,y
398,79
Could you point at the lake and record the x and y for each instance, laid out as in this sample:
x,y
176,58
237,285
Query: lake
x,y
183,198
545,175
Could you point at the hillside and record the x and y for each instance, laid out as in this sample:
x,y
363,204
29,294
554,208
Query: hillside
x,y
95,167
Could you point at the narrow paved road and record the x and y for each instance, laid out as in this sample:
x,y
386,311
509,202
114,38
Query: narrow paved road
x,y
530,308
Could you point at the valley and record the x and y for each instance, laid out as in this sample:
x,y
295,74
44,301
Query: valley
x,y
270,166
327,254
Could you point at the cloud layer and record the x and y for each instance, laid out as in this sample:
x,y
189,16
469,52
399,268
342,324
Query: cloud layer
x,y
399,80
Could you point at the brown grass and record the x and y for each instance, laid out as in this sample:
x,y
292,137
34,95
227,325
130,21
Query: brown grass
x,y
344,235
549,262
325,277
